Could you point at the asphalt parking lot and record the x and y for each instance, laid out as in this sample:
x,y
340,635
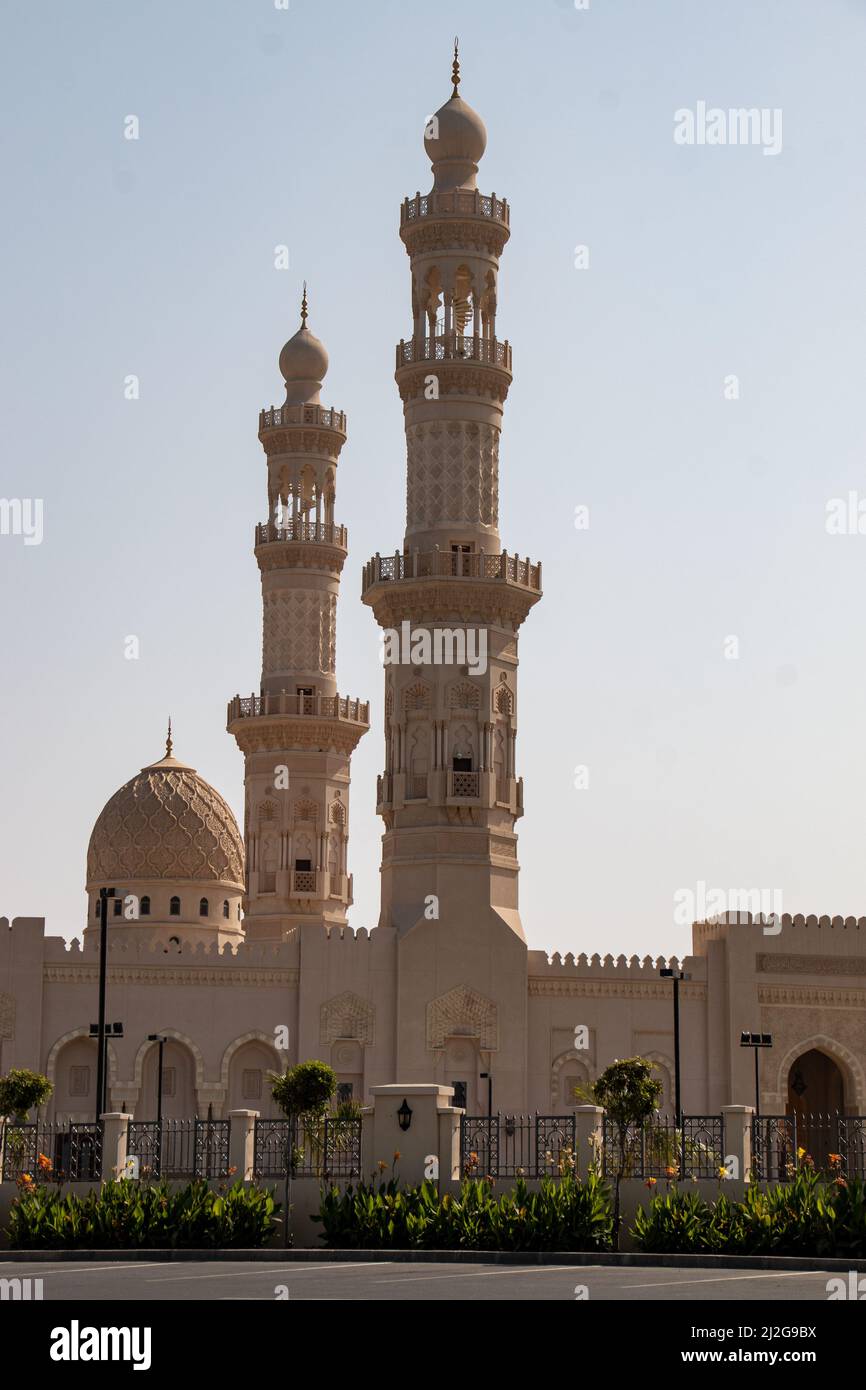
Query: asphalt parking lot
x,y
393,1281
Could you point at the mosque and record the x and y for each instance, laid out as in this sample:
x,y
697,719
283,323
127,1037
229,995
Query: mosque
x,y
229,943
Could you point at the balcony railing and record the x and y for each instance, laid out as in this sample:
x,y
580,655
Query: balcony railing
x,y
313,706
446,347
447,564
458,203
316,531
302,415
463,784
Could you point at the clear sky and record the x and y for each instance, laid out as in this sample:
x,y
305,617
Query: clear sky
x,y
261,126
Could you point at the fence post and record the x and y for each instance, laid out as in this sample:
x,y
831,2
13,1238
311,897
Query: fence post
x,y
431,1130
115,1134
589,1123
242,1143
737,1139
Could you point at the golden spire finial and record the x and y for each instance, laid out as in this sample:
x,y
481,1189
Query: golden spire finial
x,y
168,742
304,307
455,69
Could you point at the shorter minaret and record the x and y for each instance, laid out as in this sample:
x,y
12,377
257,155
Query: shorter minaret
x,y
297,734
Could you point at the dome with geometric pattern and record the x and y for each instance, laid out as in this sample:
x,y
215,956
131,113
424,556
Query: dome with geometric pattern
x,y
166,823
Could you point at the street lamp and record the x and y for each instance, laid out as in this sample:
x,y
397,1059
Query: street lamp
x,y
161,1040
676,976
488,1077
104,895
756,1040
108,1030
158,1038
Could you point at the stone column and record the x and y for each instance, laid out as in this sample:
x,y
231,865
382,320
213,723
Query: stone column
x,y
242,1138
115,1133
589,1132
737,1137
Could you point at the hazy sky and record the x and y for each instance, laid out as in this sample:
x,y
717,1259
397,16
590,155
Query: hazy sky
x,y
155,257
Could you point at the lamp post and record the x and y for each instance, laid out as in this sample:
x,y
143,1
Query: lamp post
x,y
676,976
488,1077
109,1030
158,1038
756,1040
104,895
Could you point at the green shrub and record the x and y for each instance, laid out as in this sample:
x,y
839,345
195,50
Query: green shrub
x,y
809,1215
130,1215
21,1089
563,1215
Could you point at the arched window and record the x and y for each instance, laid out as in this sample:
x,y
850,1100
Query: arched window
x,y
96,905
174,907
145,906
226,908
239,912
203,908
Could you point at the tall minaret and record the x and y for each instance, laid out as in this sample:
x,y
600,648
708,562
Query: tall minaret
x,y
297,734
450,794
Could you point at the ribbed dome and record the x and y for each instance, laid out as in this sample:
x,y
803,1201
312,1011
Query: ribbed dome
x,y
167,822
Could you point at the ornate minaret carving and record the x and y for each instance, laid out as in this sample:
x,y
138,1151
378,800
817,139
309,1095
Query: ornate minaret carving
x,y
297,734
450,794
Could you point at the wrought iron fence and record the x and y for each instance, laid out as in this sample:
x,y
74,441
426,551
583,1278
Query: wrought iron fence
x,y
328,1149
510,1146
662,1149
830,1142
774,1146
48,1151
180,1148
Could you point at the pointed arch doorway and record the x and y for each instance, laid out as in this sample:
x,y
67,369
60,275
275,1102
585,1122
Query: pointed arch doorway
x,y
816,1096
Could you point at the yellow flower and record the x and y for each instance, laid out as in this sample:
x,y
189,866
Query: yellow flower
x,y
650,1182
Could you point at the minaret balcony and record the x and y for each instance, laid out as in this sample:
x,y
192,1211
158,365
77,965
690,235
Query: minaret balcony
x,y
315,532
454,347
299,707
457,202
445,787
446,564
280,416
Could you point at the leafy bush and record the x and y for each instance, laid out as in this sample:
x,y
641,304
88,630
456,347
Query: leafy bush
x,y
21,1089
564,1215
306,1089
130,1215
808,1215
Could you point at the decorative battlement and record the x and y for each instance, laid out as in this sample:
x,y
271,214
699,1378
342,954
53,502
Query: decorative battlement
x,y
455,203
541,965
280,416
446,347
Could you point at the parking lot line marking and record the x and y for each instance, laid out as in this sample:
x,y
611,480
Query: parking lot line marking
x,y
273,1269
480,1274
738,1278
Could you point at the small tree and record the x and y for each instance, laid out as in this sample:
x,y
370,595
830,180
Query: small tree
x,y
306,1090
630,1093
20,1090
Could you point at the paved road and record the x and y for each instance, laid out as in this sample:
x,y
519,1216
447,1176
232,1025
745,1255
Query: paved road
x,y
391,1281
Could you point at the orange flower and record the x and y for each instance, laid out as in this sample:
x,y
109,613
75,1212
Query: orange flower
x,y
650,1182
45,1163
835,1160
